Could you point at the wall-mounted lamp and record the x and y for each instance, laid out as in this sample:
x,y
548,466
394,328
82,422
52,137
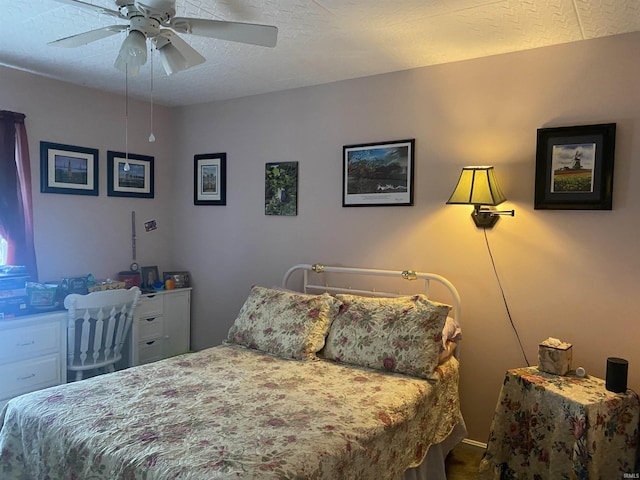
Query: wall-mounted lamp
x,y
478,186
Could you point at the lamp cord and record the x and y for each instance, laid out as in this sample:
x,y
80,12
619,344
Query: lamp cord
x,y
504,298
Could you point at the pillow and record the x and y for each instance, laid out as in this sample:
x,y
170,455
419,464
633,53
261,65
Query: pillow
x,y
451,331
401,334
286,324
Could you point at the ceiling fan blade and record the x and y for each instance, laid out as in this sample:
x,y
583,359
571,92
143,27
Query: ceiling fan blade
x,y
95,8
88,37
251,33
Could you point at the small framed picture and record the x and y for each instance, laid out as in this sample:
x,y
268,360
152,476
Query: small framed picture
x,y
149,276
68,169
574,167
210,179
129,177
378,174
181,279
281,188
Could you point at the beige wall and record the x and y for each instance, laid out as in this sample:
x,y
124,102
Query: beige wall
x,y
568,274
76,235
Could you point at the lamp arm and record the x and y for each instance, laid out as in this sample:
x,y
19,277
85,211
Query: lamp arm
x,y
487,211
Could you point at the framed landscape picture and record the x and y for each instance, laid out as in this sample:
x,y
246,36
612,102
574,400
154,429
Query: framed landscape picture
x,y
210,179
378,174
129,177
574,167
68,169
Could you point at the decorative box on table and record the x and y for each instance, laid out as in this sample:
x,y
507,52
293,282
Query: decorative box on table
x,y
43,296
555,356
13,293
77,285
102,285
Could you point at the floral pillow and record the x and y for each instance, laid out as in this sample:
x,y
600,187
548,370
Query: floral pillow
x,y
284,323
401,334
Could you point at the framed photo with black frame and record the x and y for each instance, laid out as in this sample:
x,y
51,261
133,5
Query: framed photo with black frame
x,y
378,174
281,188
210,179
574,167
149,276
181,278
68,169
129,177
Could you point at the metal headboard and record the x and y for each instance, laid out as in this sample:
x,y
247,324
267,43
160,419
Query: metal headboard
x,y
310,270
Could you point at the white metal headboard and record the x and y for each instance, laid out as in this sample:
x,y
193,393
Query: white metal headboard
x,y
309,270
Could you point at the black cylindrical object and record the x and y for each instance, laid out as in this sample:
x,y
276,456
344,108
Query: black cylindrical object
x,y
617,370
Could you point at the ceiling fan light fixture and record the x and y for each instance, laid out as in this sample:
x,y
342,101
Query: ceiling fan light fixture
x,y
133,53
172,60
155,20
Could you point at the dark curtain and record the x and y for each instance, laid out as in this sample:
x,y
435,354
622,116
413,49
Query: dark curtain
x,y
16,213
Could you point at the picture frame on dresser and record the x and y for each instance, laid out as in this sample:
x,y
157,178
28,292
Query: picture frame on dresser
x,y
130,175
574,167
149,277
378,174
68,169
181,279
210,179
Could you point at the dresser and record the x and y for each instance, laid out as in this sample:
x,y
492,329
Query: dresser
x,y
161,327
32,353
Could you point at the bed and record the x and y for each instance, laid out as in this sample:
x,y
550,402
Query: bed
x,y
301,389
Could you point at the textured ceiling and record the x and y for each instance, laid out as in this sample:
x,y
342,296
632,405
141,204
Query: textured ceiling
x,y
319,41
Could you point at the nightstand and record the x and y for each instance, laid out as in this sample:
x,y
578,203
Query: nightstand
x,y
550,426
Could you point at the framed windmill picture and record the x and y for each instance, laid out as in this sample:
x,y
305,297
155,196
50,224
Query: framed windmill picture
x,y
574,167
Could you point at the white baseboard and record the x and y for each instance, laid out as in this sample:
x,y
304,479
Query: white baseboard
x,y
475,443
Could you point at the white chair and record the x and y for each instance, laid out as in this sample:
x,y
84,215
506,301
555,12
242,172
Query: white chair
x,y
97,327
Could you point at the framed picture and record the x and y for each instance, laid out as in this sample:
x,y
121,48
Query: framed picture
x,y
574,167
210,179
149,277
378,174
181,279
132,177
68,169
281,188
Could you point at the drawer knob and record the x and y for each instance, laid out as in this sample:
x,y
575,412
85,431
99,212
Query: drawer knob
x,y
27,377
32,342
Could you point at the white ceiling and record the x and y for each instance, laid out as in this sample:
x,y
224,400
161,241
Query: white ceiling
x,y
319,41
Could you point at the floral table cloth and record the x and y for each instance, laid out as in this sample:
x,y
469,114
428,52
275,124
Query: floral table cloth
x,y
561,427
228,413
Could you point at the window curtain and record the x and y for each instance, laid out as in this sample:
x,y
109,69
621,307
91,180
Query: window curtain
x,y
16,212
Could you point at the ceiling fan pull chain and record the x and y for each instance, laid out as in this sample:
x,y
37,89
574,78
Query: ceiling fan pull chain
x,y
126,167
152,137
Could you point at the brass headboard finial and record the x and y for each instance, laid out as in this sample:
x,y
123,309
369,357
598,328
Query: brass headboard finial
x,y
410,275
317,267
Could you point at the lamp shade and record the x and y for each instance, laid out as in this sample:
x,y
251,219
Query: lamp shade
x,y
172,59
477,186
133,52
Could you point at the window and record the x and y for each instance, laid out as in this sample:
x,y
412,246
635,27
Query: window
x,y
4,246
16,217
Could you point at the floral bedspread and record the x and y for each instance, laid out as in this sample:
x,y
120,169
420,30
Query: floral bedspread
x,y
561,427
228,412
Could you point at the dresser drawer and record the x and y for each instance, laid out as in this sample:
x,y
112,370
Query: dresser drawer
x,y
150,351
29,375
150,328
25,342
149,306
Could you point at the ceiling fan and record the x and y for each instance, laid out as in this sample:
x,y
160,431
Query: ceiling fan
x,y
155,20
